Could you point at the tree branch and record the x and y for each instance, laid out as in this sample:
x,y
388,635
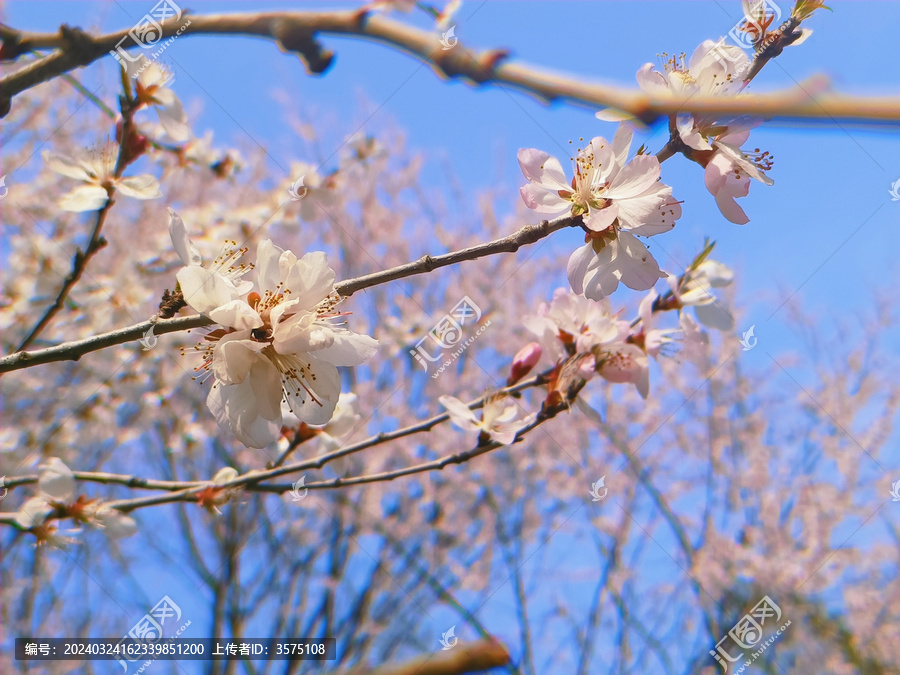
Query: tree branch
x,y
298,31
79,264
72,351
474,657
246,480
527,235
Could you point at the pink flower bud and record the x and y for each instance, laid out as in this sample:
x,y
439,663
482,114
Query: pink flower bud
x,y
133,143
524,361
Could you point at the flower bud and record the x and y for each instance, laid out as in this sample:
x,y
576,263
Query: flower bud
x,y
133,143
523,362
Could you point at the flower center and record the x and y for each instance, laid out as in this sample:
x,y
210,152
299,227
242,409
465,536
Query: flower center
x,y
225,262
764,161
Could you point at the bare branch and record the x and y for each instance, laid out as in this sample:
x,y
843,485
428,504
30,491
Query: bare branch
x,y
527,235
475,657
298,31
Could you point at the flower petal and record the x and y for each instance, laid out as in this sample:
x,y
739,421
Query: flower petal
x,y
84,198
622,143
313,401
538,199
652,81
542,169
690,134
234,357
33,512
613,115
309,279
730,208
652,213
228,405
172,116
578,265
598,220
637,177
459,413
57,480
639,270
205,290
349,349
302,336
115,524
67,166
715,315
139,187
181,241
267,265
602,276
236,314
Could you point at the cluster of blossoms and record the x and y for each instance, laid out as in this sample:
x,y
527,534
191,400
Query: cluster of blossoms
x,y
714,69
589,339
56,498
100,169
279,341
620,200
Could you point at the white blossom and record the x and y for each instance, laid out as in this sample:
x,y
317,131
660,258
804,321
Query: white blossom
x,y
215,290
150,80
96,169
498,417
287,344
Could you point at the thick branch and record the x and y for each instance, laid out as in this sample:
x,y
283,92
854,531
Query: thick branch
x,y
472,657
72,351
297,32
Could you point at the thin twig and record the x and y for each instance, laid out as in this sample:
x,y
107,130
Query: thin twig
x,y
81,258
79,263
248,479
